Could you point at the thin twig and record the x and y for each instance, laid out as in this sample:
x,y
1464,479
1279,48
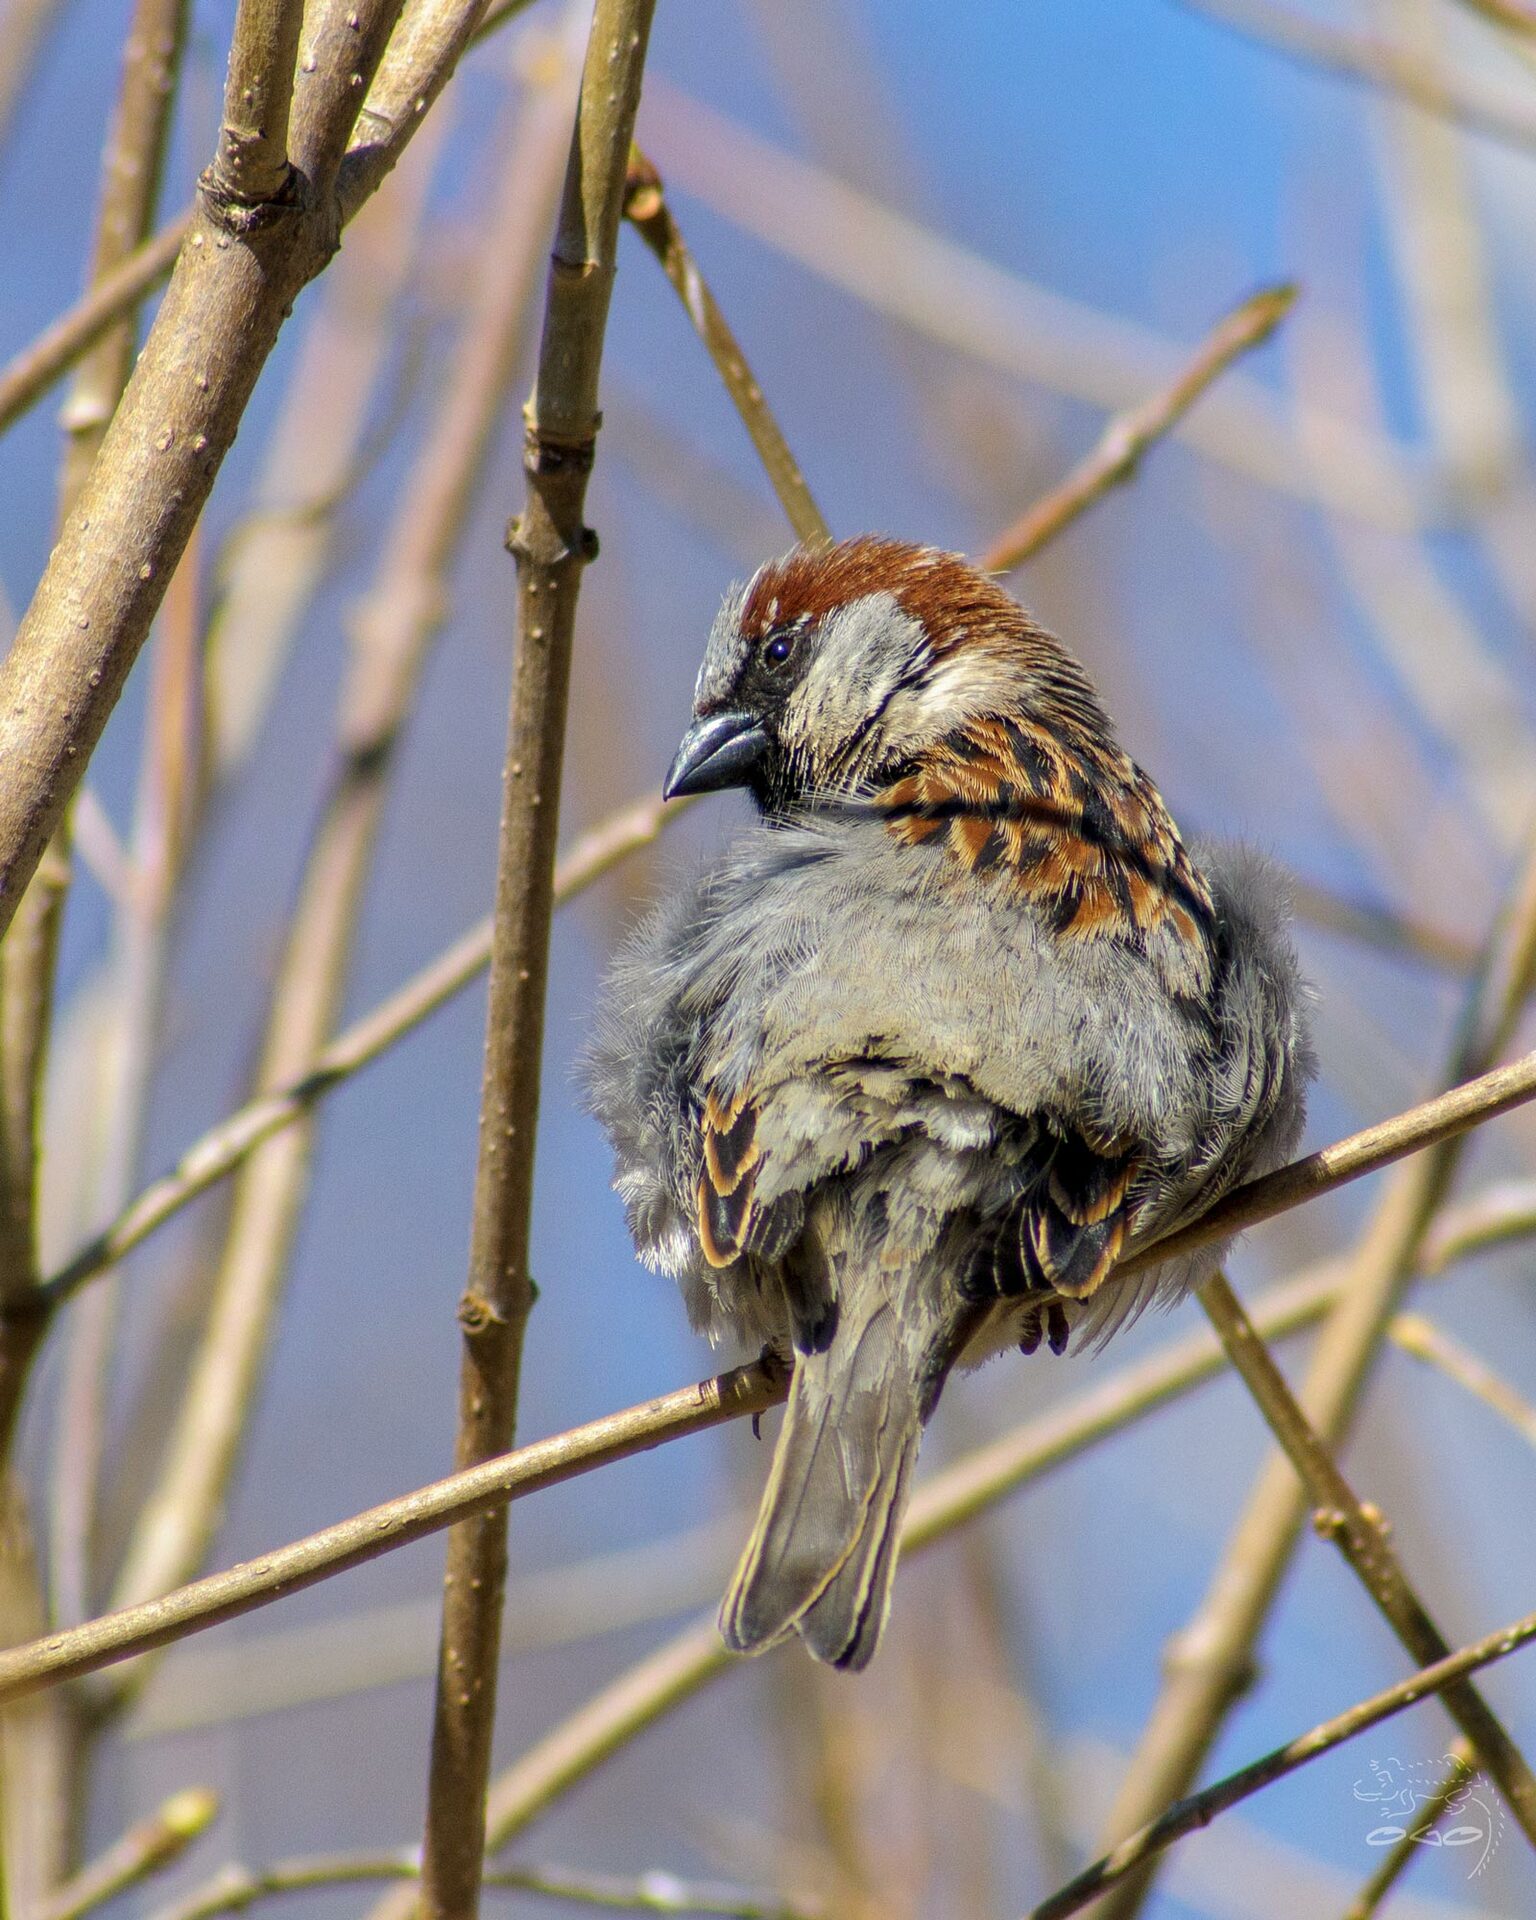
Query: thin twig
x,y
683,1665
885,258
1128,436
1498,113
29,374
131,167
139,965
114,1637
1519,16
1503,1212
646,209
235,1890
1201,1808
551,545
1429,1343
1433,1123
142,1851
1380,927
220,1150
1361,1535
256,1583
1411,1847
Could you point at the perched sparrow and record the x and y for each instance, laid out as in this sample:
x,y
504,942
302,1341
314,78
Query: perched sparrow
x,y
895,1081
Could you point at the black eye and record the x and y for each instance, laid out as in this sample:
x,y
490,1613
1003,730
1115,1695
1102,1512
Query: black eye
x,y
778,649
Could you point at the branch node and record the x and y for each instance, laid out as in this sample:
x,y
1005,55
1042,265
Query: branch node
x,y
478,1316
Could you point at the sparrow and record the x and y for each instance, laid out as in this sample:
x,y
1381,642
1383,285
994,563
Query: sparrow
x,y
895,1081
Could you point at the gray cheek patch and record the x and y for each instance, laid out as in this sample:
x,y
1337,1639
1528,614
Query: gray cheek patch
x,y
863,651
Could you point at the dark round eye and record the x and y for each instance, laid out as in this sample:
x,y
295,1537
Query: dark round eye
x,y
778,649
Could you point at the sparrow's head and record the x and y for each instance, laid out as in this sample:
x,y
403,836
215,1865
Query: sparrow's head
x,y
837,668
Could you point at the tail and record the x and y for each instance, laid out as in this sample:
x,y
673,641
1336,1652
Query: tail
x,y
823,1552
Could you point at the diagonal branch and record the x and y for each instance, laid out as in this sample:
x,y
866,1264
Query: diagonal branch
x,y
395,1523
1361,1535
145,1849
1201,1808
243,264
29,374
552,545
647,211
1128,436
1497,113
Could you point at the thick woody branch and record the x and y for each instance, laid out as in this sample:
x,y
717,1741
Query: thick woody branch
x,y
1128,436
1361,1535
251,165
422,54
340,56
234,284
551,544
646,209
1201,1808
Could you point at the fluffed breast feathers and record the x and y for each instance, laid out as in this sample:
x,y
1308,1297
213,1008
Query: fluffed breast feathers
x,y
843,985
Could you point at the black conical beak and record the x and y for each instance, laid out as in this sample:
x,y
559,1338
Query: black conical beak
x,y
721,750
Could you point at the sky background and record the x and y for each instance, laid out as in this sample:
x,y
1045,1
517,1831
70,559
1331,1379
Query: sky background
x,y
1346,689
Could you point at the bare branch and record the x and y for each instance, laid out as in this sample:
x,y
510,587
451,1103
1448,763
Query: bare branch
x,y
235,1890
1495,112
1426,1817
30,374
251,165
226,1145
646,209
131,169
422,55
1430,1124
927,282
142,1851
1127,437
1430,1344
256,1583
1207,1663
1519,16
234,284
552,545
1201,1808
1361,1535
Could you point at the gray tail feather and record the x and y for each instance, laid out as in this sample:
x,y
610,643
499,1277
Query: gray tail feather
x,y
823,1552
